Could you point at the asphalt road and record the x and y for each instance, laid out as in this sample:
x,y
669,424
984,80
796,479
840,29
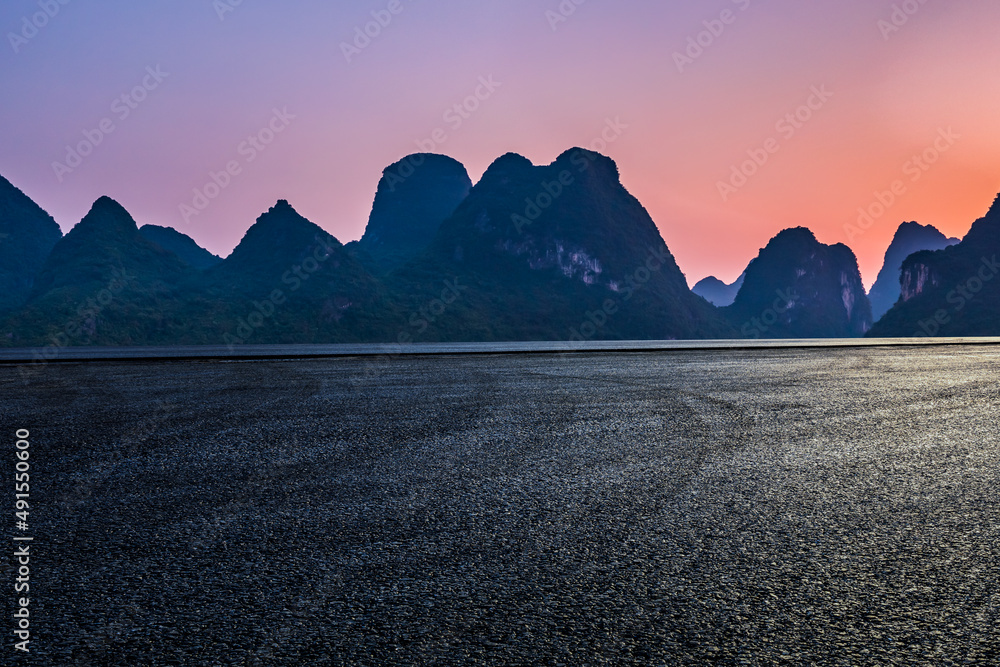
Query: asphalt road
x,y
808,506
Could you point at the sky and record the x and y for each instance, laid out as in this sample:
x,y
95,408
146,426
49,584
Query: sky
x,y
730,120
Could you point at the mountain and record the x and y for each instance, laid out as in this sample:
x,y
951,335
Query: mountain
x,y
556,252
798,287
414,197
181,245
289,281
27,236
717,292
531,252
950,292
103,283
910,238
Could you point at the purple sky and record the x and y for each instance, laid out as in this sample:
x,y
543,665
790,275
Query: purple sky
x,y
894,94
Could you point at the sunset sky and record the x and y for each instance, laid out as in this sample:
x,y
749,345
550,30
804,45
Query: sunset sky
x,y
214,74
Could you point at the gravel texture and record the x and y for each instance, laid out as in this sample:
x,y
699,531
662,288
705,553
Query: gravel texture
x,y
832,507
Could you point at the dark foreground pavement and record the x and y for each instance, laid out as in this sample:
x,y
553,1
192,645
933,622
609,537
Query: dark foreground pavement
x,y
762,507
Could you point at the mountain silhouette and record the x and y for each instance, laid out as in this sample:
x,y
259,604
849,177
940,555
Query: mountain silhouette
x,y
288,281
27,236
414,197
181,245
556,252
910,237
950,292
717,292
798,287
102,283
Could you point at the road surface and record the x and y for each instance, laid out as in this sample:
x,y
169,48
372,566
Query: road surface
x,y
773,506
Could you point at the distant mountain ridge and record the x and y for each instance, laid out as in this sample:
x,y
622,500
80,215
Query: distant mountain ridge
x,y
558,251
717,292
910,237
414,197
289,281
531,252
798,287
181,245
951,292
103,283
27,236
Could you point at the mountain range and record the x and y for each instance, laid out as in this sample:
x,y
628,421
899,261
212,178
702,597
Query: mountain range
x,y
181,245
798,287
553,252
953,291
27,236
414,196
717,292
911,237
530,252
